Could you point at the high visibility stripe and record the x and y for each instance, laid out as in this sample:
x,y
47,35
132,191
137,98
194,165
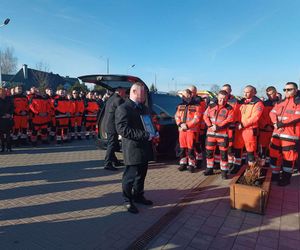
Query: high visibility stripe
x,y
283,118
275,168
217,134
273,111
288,170
90,115
61,116
285,136
297,112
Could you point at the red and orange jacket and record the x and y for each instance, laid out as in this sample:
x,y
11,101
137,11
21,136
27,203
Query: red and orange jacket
x,y
221,116
21,106
39,107
190,114
63,107
265,123
235,104
251,111
286,115
91,110
79,107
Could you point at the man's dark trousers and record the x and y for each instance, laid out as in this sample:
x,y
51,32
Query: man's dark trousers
x,y
112,147
133,181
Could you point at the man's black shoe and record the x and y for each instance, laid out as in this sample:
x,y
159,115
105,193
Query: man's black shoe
x,y
118,163
111,168
182,168
131,208
191,169
209,171
143,200
235,169
224,175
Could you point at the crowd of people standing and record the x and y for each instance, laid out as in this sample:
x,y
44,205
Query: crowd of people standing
x,y
226,127
33,116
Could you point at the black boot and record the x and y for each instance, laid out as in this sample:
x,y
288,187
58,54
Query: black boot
x,y
275,177
235,169
2,148
224,174
285,179
182,167
209,171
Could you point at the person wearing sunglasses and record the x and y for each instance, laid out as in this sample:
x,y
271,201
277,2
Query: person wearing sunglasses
x,y
286,120
266,125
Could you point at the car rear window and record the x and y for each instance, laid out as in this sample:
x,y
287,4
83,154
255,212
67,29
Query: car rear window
x,y
165,103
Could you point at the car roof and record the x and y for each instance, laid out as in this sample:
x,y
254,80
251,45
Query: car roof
x,y
112,82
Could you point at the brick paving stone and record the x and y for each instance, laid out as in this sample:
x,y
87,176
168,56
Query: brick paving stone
x,y
260,247
268,242
241,247
200,242
60,197
222,242
289,243
245,241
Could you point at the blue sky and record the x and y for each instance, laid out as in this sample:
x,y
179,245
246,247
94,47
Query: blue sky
x,y
180,42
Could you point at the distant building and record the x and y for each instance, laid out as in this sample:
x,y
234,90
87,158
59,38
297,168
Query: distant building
x,y
31,77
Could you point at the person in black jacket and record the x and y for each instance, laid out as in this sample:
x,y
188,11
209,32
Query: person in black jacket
x,y
6,120
136,145
110,128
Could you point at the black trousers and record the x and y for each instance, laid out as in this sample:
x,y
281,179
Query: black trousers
x,y
133,181
112,147
5,139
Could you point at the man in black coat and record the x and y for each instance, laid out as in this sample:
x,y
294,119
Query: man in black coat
x,y
110,128
136,145
6,120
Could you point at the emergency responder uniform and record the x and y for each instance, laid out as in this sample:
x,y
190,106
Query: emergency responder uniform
x,y
221,116
21,114
250,112
199,144
191,115
76,120
283,148
265,131
235,104
40,110
90,117
62,108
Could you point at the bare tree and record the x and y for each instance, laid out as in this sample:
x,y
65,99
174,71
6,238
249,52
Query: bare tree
x,y
215,88
8,61
42,74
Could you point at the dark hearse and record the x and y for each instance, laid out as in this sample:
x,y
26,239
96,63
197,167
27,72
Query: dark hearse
x,y
162,106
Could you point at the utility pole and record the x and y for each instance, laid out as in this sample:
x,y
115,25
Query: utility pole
x,y
7,20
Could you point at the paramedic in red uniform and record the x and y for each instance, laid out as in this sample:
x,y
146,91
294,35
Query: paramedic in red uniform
x,y
62,109
265,125
90,115
21,112
188,117
247,130
286,135
218,117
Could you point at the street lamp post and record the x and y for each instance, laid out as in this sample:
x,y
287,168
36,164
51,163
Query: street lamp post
x,y
3,24
107,63
131,66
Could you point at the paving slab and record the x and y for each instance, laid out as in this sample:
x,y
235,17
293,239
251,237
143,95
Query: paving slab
x,y
60,197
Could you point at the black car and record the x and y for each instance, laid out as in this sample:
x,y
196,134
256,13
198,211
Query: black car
x,y
162,106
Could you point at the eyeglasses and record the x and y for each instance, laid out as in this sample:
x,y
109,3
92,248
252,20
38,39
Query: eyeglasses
x,y
75,93
291,89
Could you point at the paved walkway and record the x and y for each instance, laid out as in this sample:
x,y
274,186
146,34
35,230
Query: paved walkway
x,y
60,197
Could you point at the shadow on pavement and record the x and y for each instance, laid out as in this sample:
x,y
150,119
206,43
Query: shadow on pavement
x,y
55,172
